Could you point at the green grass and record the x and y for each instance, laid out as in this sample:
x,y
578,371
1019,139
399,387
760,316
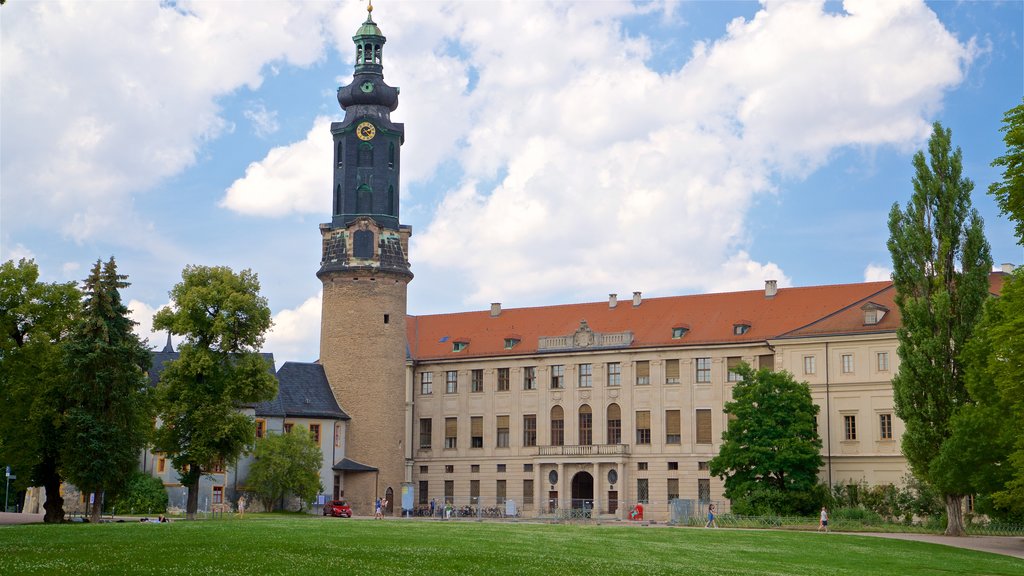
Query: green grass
x,y
290,545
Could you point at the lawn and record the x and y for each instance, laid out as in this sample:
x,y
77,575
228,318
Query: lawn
x,y
298,545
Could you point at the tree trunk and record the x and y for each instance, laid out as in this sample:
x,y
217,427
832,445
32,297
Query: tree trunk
x,y
954,516
54,505
97,508
193,500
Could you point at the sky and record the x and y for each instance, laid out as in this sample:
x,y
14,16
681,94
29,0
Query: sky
x,y
556,152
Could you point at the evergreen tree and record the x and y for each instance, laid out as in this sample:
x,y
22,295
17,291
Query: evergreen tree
x,y
223,319
1010,192
109,414
286,464
771,452
34,318
941,264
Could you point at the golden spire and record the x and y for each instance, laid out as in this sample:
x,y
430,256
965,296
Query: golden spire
x,y
369,6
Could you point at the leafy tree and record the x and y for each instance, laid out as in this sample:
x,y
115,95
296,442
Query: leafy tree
x,y
223,319
286,464
143,494
941,263
1010,192
109,417
771,452
34,318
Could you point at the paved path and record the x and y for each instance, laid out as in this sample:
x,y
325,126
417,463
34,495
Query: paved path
x,y
12,518
1008,545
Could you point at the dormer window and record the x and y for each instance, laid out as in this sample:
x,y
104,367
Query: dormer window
x,y
873,313
740,328
459,345
511,343
679,331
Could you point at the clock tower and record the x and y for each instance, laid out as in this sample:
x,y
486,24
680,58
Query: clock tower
x,y
364,269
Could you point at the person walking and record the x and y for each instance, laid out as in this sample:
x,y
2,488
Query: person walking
x,y
711,517
433,504
376,511
241,506
823,522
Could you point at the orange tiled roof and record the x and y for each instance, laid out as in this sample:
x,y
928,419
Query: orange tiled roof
x,y
710,318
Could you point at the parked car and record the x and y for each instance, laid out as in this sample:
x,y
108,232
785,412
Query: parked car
x,y
337,508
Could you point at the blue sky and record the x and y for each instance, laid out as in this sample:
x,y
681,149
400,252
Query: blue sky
x,y
555,151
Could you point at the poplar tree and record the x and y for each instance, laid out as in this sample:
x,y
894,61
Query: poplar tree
x,y
941,264
223,319
1009,192
35,317
109,412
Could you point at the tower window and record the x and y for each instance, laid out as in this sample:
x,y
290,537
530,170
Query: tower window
x,y
391,200
387,318
391,155
365,155
340,154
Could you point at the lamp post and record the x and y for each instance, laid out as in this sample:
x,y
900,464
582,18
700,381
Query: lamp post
x,y
7,488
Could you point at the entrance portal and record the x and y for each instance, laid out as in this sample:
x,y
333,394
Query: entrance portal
x,y
583,491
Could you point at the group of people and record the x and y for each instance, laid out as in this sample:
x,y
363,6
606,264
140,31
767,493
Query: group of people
x,y
447,510
379,508
822,521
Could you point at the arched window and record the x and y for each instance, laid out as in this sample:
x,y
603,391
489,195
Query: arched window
x,y
362,244
391,201
340,154
376,53
359,53
365,155
364,200
391,155
557,426
586,426
614,424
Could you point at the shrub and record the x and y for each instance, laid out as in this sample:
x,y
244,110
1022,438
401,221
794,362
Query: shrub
x,y
144,494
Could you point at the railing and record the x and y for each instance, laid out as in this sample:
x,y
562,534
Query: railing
x,y
584,450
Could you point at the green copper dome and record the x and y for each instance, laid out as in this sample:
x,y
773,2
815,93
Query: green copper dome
x,y
369,28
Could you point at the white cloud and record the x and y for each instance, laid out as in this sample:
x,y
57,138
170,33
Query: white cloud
x,y
877,273
264,122
70,269
18,252
142,314
296,331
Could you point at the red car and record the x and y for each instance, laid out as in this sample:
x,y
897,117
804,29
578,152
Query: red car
x,y
337,508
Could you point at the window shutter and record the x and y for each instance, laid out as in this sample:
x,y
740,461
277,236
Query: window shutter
x,y
614,412
451,427
672,369
643,420
672,422
477,426
643,368
703,426
502,422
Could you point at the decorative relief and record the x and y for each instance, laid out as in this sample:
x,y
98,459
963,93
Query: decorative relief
x,y
584,337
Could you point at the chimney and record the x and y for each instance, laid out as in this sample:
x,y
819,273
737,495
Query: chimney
x,y
613,300
636,299
1007,268
771,287
495,309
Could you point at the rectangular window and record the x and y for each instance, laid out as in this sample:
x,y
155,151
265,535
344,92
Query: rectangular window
x,y
850,427
673,429
451,382
673,489
502,431
218,494
451,433
614,374
703,370
527,492
261,428
642,494
161,465
558,376
703,426
847,363
766,361
673,465
501,468
337,435
586,375
810,365
499,492
641,465
449,491
529,429
314,433
702,466
885,426
424,469
476,382
527,467
883,361
474,468
732,363
426,383
423,497
704,489
503,380
672,371
615,430
530,378
643,372
476,432
586,428
426,431
449,468
557,431
474,492
643,427
287,427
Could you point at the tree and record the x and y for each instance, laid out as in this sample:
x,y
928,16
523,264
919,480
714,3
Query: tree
x,y
144,494
286,464
34,318
941,263
108,418
982,432
771,452
1010,192
223,319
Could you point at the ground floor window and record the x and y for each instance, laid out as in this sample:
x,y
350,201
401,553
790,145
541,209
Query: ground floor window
x,y
527,492
642,490
423,492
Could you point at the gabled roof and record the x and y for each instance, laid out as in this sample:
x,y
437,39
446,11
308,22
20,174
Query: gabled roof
x,y
350,465
303,392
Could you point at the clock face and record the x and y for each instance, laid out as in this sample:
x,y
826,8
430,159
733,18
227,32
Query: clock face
x,y
366,87
365,131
